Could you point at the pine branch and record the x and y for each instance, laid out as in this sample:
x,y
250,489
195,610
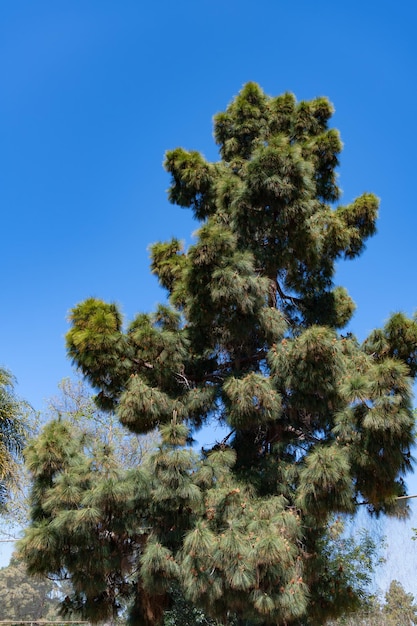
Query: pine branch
x,y
294,300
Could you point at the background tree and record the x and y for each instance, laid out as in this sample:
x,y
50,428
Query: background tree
x,y
251,338
14,427
25,598
75,404
397,610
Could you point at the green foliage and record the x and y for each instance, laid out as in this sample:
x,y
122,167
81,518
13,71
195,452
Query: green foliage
x,y
344,561
14,428
81,455
182,613
397,610
80,527
26,598
251,339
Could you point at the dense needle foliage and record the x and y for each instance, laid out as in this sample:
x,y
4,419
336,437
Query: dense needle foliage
x,y
252,337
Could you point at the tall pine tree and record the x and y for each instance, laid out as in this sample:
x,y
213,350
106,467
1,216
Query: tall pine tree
x,y
252,337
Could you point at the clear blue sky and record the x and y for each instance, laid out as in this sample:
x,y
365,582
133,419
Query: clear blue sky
x,y
92,93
